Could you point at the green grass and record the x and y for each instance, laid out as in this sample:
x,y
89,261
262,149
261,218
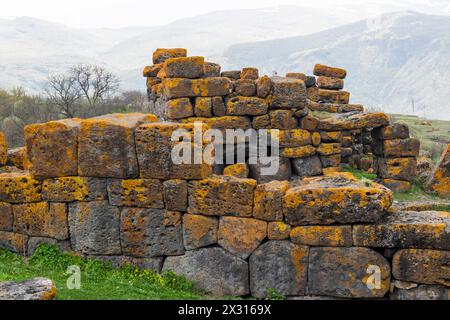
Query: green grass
x,y
98,281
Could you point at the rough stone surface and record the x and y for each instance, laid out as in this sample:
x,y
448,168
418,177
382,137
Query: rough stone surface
x,y
203,107
354,121
14,242
279,265
288,93
184,67
351,276
245,87
268,202
238,170
323,236
213,270
211,69
263,86
326,71
143,193
399,186
6,217
179,109
35,289
283,173
330,83
422,292
199,231
246,106
439,181
278,230
293,138
176,195
298,152
282,119
206,87
3,150
400,148
69,189
250,73
17,158
162,54
309,166
394,131
333,96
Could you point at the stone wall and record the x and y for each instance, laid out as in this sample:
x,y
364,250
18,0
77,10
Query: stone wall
x,y
107,188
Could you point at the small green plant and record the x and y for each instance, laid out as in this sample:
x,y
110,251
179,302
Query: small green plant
x,y
272,294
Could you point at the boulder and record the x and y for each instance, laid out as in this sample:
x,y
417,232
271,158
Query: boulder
x,y
35,289
142,193
199,231
322,236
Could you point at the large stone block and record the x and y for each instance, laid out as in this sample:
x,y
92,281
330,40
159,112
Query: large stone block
x,y
95,228
184,67
245,87
391,132
212,270
17,158
323,236
6,217
332,107
279,265
269,200
151,232
14,242
326,71
152,71
293,138
283,173
288,93
154,146
263,86
199,231
333,96
354,121
330,83
310,81
19,187
211,69
179,109
69,189
335,198
282,119
142,193
162,54
176,195
232,74
204,107
52,148
307,167
328,149
397,168
3,150
223,123
246,106
41,220
422,266
241,236
250,73
206,87
309,122
406,229
222,195
421,292
439,181
298,152
400,148
348,273
106,145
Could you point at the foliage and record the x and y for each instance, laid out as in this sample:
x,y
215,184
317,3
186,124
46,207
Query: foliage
x,y
272,294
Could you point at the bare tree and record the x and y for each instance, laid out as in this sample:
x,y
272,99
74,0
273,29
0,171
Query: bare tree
x,y
63,91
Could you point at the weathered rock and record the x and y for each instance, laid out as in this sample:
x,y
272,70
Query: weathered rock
x,y
331,107
333,96
223,123
328,149
298,152
439,181
199,231
261,122
332,161
41,220
142,193
251,233
323,236
17,158
246,106
331,136
394,131
3,150
152,71
176,195
337,197
245,87
288,93
316,139
218,107
326,71
292,138
232,74
310,81
154,146
69,189
308,166
94,228
221,195
348,273
309,122
106,146
354,121
399,148
179,109
238,170
206,87
283,173
422,292
330,83
398,186
406,229
152,81
211,69
151,232
422,266
250,73
279,265
203,107
52,148
263,86
397,168
184,67
36,289
268,203
212,270
14,242
161,55
278,230
282,119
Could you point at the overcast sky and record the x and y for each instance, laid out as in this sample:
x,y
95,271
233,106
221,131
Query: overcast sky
x,y
127,13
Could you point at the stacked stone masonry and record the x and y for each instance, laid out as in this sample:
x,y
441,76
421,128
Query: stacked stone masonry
x,y
107,188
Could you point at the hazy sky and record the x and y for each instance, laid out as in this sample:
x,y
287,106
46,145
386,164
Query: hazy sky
x,y
122,13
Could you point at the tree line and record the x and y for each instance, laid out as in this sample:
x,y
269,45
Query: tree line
x,y
82,91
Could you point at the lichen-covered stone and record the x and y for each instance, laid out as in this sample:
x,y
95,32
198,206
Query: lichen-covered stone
x,y
69,189
176,195
199,231
106,145
354,121
282,119
3,150
151,232
211,69
162,54
184,67
52,148
206,87
316,139
439,181
298,152
152,71
250,73
397,168
251,233
331,107
263,86
331,161
330,83
246,106
238,170
142,193
17,158
400,148
278,230
394,131
309,122
223,123
293,138
231,74
29,290
268,203
288,93
328,149
218,107
283,173
19,187
213,270
333,96
331,136
422,266
421,292
222,195
337,197
307,167
326,71
310,81
261,122
14,242
279,265
245,87
6,217
154,146
346,273
399,186
179,109
95,228
203,107
322,236
406,229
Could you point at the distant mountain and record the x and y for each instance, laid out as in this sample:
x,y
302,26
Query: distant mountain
x,y
394,61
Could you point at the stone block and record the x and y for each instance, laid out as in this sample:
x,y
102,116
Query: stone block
x,y
333,96
268,203
223,123
14,242
331,136
391,132
263,86
326,71
282,120
203,107
69,189
401,148
293,138
310,81
439,181
328,149
283,173
206,87
316,139
288,93
245,87
152,71
211,69
162,54
199,231
330,83
322,236
141,193
422,292
17,158
6,217
307,167
250,73
397,168
353,121
238,170
278,230
19,187
298,152
179,109
3,150
331,161
176,195
184,67
246,106
232,74
309,122
218,107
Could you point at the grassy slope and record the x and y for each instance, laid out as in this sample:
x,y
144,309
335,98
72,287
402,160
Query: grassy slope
x,y
97,280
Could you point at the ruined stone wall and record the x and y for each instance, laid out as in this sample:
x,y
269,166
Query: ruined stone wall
x,y
106,187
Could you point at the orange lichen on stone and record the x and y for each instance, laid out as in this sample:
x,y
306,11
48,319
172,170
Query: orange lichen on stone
x,y
278,230
268,202
162,54
68,189
298,152
13,241
292,138
179,108
3,150
439,182
206,87
142,193
354,121
325,236
327,149
238,170
326,71
19,187
199,231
